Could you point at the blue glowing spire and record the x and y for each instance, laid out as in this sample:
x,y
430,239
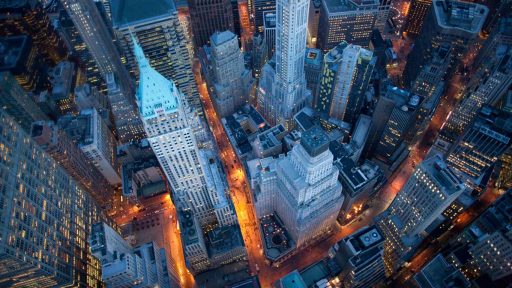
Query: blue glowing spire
x,y
156,95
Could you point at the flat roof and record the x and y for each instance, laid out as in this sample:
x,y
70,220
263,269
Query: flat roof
x,y
292,280
132,12
465,16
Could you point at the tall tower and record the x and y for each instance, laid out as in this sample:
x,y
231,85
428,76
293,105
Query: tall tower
x,y
290,82
170,135
426,194
96,36
208,17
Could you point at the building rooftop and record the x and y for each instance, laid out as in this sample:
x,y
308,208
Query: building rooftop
x,y
465,16
442,174
189,232
314,57
219,38
315,141
132,12
292,280
269,20
438,274
13,50
224,239
342,6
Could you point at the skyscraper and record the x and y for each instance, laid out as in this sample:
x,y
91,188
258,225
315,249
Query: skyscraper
x,y
208,17
15,101
418,11
427,193
303,189
159,31
97,37
39,193
66,153
482,143
232,82
347,69
346,20
269,32
261,8
170,135
450,22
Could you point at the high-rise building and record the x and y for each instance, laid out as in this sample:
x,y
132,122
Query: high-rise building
x,y
208,17
96,35
491,83
66,153
393,118
347,20
262,7
483,142
450,22
15,101
288,93
346,72
416,16
303,189
163,112
95,140
360,258
159,31
22,59
231,81
123,266
313,21
439,273
269,32
313,65
39,193
427,193
29,18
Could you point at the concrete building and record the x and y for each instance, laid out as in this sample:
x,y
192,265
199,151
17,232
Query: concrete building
x,y
393,118
427,193
313,21
348,21
208,17
125,266
160,33
439,273
360,258
194,246
453,23
163,112
313,64
64,151
269,142
269,32
231,81
63,78
19,56
52,204
418,12
95,140
482,143
287,92
302,188
261,8
15,102
346,72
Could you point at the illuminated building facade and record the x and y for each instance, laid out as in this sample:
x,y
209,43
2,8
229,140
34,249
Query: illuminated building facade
x,y
95,34
22,59
427,193
124,266
66,153
30,18
302,188
287,92
348,21
47,216
449,22
208,17
482,143
418,11
96,141
346,72
231,81
269,32
159,31
262,7
15,101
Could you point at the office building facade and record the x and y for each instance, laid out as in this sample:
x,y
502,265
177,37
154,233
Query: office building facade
x,y
208,17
